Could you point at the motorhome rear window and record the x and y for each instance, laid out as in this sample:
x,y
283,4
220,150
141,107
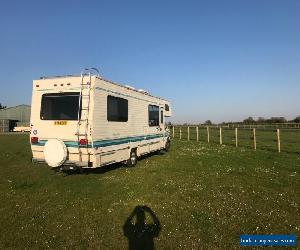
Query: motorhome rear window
x,y
153,115
60,106
117,109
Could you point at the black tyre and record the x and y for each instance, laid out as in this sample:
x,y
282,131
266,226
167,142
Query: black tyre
x,y
132,161
167,146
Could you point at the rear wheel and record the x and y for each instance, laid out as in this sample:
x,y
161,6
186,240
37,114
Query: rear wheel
x,y
132,161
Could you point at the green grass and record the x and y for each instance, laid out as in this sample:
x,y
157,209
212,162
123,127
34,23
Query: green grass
x,y
204,195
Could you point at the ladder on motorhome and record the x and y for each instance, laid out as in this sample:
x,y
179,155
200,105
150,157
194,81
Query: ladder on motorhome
x,y
83,125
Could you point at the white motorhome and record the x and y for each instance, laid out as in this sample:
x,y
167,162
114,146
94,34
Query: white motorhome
x,y
86,121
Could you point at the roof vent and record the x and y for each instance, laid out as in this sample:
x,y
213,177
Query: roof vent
x,y
143,91
129,87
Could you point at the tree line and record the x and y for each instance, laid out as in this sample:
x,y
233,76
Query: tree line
x,y
2,107
259,120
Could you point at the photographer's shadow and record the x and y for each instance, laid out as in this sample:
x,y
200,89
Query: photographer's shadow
x,y
139,232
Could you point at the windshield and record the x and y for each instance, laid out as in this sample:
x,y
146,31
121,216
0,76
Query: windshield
x,y
60,106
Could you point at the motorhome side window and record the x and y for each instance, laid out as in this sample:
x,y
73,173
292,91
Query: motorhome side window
x,y
153,115
161,117
167,108
117,109
60,106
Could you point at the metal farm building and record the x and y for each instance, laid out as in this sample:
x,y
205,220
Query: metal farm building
x,y
14,116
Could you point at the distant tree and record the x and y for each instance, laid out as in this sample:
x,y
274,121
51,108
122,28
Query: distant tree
x,y
261,120
297,119
277,120
208,122
282,119
249,120
2,107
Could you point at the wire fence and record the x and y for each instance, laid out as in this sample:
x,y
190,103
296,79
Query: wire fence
x,y
273,139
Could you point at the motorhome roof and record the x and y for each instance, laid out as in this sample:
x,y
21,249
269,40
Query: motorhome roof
x,y
53,77
124,86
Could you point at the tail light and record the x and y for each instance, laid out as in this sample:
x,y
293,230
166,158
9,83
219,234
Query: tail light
x,y
34,139
83,142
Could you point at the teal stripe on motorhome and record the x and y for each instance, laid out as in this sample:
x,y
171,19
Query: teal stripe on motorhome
x,y
67,143
58,89
44,89
40,143
106,143
118,93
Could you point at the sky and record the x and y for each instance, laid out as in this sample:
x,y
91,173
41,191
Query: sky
x,y
217,60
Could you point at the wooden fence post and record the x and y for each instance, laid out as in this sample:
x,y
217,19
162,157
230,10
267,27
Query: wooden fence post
x,y
173,132
207,129
221,136
278,140
197,133
254,139
188,131
180,133
236,137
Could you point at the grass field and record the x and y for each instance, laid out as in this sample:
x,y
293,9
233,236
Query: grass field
x,y
204,195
